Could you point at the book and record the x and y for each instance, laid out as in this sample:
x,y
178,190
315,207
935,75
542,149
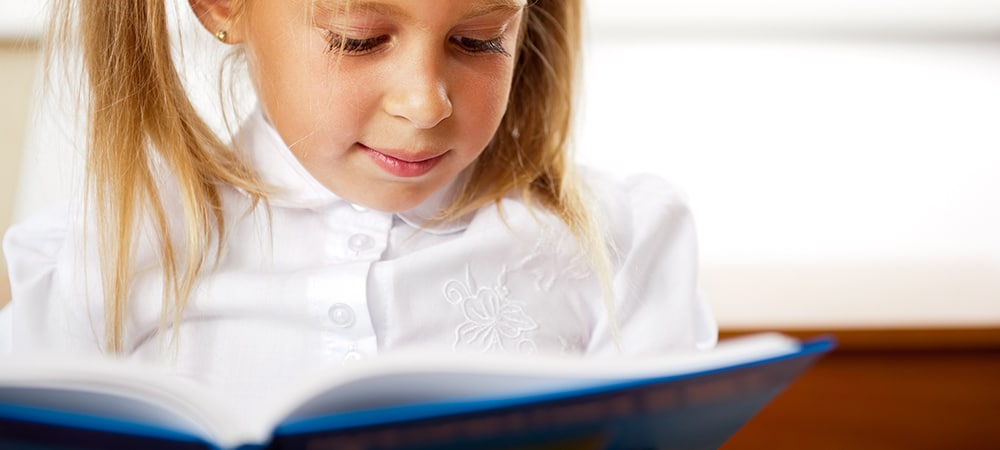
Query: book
x,y
688,400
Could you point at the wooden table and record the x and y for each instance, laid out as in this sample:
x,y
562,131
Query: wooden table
x,y
888,389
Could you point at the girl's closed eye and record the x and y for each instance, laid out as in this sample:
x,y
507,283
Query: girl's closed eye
x,y
352,46
472,45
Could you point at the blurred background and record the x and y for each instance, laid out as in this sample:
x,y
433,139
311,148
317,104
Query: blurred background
x,y
843,162
842,157
20,28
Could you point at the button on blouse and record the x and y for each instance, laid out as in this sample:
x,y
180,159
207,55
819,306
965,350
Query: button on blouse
x,y
341,315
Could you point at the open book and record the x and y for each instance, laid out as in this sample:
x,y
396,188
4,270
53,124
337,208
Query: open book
x,y
689,400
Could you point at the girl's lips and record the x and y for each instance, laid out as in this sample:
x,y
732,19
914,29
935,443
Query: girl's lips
x,y
402,167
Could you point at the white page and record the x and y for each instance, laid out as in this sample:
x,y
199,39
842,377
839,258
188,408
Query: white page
x,y
414,378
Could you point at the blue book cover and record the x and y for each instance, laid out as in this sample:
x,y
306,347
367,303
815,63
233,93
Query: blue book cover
x,y
692,400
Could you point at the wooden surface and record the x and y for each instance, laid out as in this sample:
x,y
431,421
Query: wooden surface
x,y
889,389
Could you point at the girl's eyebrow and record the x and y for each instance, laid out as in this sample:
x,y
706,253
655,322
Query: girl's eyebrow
x,y
479,9
349,7
491,6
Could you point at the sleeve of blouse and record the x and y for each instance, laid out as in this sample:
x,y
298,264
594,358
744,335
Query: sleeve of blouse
x,y
41,261
659,307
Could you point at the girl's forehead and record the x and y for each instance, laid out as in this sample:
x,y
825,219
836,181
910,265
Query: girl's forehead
x,y
402,8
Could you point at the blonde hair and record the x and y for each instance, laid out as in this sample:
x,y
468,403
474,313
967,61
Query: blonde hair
x,y
140,119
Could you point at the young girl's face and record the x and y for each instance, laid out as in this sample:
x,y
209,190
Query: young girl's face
x,y
384,101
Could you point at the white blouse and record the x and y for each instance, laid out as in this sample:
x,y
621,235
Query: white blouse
x,y
315,281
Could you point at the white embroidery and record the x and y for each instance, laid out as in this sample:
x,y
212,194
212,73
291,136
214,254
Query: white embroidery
x,y
493,321
548,262
570,347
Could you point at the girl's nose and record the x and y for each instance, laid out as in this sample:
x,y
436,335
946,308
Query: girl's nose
x,y
420,94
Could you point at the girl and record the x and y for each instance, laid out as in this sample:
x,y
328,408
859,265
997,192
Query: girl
x,y
405,182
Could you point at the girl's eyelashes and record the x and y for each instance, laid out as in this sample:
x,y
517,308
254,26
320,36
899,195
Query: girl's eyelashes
x,y
471,45
349,46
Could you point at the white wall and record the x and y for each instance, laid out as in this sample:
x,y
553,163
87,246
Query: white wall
x,y
729,17
842,158
21,19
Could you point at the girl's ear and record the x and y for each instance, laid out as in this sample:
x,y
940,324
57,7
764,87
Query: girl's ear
x,y
219,18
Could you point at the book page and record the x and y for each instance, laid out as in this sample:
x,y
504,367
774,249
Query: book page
x,y
414,378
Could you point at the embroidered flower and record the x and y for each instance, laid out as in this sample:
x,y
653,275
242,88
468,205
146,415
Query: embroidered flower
x,y
493,321
550,261
573,346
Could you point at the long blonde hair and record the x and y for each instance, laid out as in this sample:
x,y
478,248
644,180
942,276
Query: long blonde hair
x,y
140,118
